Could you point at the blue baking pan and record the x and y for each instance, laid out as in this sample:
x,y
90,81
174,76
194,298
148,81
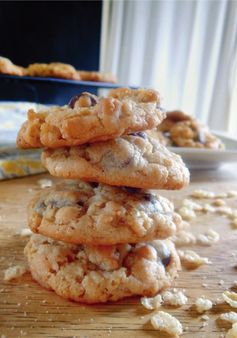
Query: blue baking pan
x,y
47,90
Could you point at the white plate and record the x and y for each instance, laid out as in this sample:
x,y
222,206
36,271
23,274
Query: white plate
x,y
196,158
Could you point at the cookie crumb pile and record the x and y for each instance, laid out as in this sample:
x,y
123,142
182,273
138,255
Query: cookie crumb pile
x,y
103,236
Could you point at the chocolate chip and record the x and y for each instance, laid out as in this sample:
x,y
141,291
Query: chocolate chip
x,y
112,160
163,252
166,260
131,190
149,197
140,134
94,184
74,99
166,133
58,204
40,207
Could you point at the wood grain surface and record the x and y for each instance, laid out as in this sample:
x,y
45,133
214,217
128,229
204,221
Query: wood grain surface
x,y
28,310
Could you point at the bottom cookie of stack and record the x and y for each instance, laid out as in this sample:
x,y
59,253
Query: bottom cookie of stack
x,y
92,274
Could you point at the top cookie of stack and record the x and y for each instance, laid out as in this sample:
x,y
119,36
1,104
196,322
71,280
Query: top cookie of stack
x,y
89,118
128,157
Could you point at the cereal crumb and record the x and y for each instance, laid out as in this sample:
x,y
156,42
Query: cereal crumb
x,y
234,223
230,297
233,215
176,298
208,208
45,183
152,303
226,211
14,272
219,202
25,232
186,213
183,225
221,195
200,193
191,260
204,325
163,321
204,317
232,193
203,304
232,333
208,238
230,317
205,285
183,237
191,204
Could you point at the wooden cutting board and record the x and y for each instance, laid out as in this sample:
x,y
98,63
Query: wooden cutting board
x,y
28,310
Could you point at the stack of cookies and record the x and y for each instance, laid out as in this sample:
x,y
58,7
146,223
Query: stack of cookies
x,y
101,235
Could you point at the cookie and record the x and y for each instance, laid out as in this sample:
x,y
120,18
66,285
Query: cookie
x,y
162,131
7,67
54,69
93,274
89,118
78,212
134,161
97,76
193,134
171,119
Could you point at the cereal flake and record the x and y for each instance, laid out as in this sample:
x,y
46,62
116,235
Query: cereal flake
x,y
45,183
230,317
163,321
152,303
230,297
176,298
190,204
183,238
14,272
25,232
203,304
186,213
208,238
191,260
232,333
200,193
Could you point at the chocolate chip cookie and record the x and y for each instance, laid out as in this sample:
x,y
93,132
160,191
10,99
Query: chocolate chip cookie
x,y
88,118
93,274
7,67
134,160
79,212
96,76
54,69
162,131
193,134
173,117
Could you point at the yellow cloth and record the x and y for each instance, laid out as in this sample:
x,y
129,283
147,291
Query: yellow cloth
x,y
18,163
